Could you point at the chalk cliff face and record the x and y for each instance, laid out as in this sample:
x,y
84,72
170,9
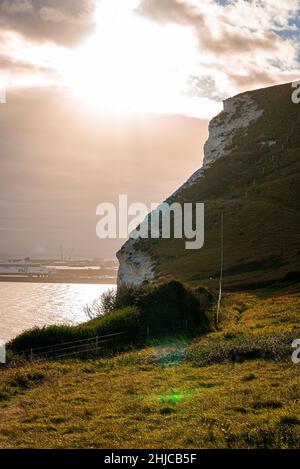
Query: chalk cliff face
x,y
135,265
250,144
237,114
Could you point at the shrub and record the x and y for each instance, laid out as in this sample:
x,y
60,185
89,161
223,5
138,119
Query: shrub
x,y
44,336
169,307
205,297
104,305
126,319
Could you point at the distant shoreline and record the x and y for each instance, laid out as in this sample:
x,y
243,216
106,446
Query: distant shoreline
x,y
60,279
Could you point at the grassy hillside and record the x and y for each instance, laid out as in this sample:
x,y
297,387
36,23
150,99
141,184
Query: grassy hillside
x,y
224,396
257,187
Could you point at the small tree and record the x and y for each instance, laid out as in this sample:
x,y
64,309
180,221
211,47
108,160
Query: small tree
x,y
106,303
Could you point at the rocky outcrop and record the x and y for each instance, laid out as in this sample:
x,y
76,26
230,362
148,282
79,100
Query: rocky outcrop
x,y
238,113
135,266
250,171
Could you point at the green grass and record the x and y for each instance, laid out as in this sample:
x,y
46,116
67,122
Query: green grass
x,y
129,402
208,392
240,347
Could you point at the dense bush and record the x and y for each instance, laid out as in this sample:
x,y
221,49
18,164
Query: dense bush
x,y
171,307
127,319
149,311
47,335
205,298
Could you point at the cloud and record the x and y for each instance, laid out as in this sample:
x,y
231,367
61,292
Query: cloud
x,y
61,21
259,51
168,11
214,30
14,66
226,54
257,78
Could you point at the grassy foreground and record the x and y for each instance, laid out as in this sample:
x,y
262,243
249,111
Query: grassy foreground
x,y
166,395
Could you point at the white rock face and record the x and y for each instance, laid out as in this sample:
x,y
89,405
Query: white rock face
x,y
238,113
137,266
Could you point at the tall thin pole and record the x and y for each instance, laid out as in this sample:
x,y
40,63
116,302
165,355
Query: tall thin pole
x,y
221,270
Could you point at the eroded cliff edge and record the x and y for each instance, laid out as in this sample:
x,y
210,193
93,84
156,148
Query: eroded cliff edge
x,y
250,172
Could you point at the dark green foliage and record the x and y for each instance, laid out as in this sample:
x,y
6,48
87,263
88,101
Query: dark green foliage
x,y
43,336
126,319
205,297
170,307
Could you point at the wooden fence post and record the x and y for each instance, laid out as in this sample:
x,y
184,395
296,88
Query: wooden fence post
x,y
221,273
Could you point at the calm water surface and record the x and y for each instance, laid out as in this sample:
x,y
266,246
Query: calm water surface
x,y
24,305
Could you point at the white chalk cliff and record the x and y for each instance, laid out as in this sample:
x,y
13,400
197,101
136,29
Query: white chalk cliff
x,y
135,265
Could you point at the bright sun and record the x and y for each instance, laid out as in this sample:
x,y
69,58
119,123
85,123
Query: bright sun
x,y
130,64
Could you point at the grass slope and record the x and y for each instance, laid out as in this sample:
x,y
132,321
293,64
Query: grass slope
x,y
166,395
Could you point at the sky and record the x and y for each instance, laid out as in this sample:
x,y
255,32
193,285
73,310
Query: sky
x,y
109,97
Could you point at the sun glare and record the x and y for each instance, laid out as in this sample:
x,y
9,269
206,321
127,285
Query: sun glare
x,y
130,64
